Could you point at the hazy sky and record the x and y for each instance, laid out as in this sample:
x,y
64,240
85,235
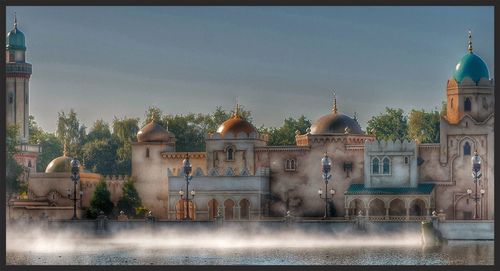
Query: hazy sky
x,y
277,61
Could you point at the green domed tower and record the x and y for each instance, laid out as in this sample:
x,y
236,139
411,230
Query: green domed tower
x,y
470,89
18,73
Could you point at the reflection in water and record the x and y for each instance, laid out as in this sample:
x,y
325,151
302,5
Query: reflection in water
x,y
235,247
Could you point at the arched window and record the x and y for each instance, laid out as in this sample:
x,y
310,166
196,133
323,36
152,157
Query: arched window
x,y
11,98
290,164
229,153
406,160
375,166
147,152
467,105
387,166
213,205
228,209
451,103
466,148
244,209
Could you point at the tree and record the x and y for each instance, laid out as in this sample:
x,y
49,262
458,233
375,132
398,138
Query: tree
x,y
130,201
285,135
391,125
100,155
99,131
125,130
101,201
70,132
153,113
424,126
12,168
51,145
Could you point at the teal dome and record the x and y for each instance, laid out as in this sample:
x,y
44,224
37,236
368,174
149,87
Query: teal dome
x,y
15,40
471,66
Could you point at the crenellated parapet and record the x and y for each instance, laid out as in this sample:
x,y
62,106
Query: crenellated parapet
x,y
346,138
390,146
240,135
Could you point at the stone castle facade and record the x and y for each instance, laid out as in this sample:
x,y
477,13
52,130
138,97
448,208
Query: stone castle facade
x,y
239,175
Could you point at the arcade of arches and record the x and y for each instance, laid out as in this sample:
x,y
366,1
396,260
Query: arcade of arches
x,y
392,208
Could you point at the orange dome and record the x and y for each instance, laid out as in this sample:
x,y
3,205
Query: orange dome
x,y
153,132
236,125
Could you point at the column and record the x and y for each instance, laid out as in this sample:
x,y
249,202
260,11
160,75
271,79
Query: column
x,y
387,213
346,213
407,213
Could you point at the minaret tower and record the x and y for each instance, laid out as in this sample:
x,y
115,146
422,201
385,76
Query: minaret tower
x,y
18,73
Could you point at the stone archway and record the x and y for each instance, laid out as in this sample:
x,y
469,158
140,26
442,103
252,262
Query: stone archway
x,y
229,209
376,207
418,208
213,204
397,207
355,206
244,209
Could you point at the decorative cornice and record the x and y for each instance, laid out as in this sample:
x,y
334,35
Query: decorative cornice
x,y
182,155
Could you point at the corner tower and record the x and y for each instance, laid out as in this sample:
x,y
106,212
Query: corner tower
x,y
470,90
18,73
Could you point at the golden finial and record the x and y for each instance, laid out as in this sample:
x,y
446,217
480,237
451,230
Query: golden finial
x,y
65,148
470,42
236,113
334,109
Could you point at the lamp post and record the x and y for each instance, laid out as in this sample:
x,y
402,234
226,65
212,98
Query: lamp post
x,y
476,175
75,177
187,171
326,166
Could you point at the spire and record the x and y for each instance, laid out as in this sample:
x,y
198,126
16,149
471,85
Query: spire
x,y
334,109
470,42
15,21
236,113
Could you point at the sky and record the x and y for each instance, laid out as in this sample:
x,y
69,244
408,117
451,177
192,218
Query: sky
x,y
278,62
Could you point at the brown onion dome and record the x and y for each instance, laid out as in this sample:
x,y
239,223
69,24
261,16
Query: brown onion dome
x,y
59,164
236,125
62,164
336,123
153,132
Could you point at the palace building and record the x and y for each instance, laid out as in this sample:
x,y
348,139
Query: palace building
x,y
243,178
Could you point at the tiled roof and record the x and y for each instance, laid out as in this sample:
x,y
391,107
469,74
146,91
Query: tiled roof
x,y
360,189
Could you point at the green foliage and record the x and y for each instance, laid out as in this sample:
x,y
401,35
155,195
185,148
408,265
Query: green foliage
x,y
285,135
100,155
99,131
424,126
391,125
12,168
101,201
130,200
141,211
51,145
70,131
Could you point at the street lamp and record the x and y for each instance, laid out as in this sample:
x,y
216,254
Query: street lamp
x,y
476,175
75,177
187,171
326,166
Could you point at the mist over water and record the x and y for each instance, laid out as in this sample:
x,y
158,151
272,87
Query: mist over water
x,y
230,245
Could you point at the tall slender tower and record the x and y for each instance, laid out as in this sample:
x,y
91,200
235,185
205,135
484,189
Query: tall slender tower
x,y
18,73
